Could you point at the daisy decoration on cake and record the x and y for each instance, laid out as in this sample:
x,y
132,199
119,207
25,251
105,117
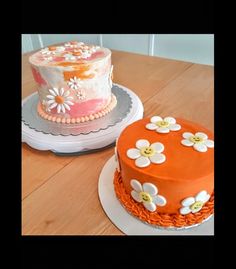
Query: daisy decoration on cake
x,y
80,94
199,141
74,83
194,204
60,99
144,154
161,125
147,194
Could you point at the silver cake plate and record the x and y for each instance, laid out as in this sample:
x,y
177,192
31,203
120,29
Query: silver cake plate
x,y
90,140
31,117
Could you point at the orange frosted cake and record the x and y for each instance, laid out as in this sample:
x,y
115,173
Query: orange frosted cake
x,y
165,171
74,82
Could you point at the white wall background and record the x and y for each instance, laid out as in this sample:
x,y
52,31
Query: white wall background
x,y
196,48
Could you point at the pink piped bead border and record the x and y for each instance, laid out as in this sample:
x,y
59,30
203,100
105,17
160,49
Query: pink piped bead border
x,y
90,117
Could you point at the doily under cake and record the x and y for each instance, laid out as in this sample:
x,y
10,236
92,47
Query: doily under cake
x,y
156,219
131,225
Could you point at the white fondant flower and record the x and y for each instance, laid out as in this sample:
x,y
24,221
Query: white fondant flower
x,y
147,194
110,76
80,94
69,57
46,105
60,99
199,141
74,83
144,154
194,204
163,125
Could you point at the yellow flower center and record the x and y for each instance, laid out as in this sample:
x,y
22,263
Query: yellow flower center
x,y
147,151
146,197
196,139
59,99
196,205
162,123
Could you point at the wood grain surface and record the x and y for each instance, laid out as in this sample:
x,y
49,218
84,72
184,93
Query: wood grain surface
x,y
60,194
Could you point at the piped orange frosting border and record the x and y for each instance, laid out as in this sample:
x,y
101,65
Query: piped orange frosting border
x,y
160,219
90,117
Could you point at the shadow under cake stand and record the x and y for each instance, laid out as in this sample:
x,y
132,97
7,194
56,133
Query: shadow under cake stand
x,y
131,225
81,138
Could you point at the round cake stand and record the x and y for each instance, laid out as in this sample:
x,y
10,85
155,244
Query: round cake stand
x,y
80,144
129,224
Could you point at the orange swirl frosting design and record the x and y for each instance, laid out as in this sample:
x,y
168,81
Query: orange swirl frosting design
x,y
160,219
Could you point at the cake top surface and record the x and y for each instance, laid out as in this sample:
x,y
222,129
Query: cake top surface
x,y
69,54
183,154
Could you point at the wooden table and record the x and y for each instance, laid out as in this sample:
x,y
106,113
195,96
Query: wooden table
x,y
60,194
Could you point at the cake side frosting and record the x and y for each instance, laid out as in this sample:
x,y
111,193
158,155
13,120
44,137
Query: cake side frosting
x,y
74,80
167,167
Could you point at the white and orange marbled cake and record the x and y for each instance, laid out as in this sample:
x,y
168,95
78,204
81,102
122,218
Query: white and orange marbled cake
x,y
74,82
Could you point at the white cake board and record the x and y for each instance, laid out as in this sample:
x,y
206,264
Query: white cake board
x,y
128,224
82,143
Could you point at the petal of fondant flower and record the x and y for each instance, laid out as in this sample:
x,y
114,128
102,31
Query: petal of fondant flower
x,y
133,153
51,102
200,147
52,105
69,102
188,201
50,97
187,135
202,135
155,119
159,200
187,142
142,162
209,143
158,158
66,106
185,210
61,91
150,206
63,108
59,108
136,185
142,143
163,130
170,120
151,126
159,147
202,196
150,188
136,196
174,127
52,92
56,91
